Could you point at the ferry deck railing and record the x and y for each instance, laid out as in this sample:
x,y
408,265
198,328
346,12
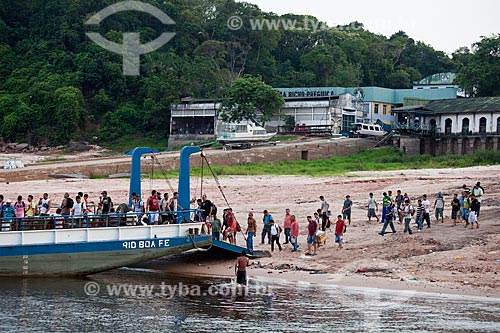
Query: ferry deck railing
x,y
91,220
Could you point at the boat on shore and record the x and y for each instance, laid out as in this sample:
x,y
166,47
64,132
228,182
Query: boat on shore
x,y
243,135
368,129
43,248
47,246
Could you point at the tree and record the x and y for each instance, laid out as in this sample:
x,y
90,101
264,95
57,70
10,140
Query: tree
x,y
480,74
251,99
69,113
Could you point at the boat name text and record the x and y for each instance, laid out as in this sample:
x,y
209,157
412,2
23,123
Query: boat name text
x,y
146,244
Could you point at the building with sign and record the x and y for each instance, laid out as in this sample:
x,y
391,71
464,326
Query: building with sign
x,y
195,119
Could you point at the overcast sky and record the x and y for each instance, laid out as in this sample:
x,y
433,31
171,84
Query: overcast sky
x,y
444,24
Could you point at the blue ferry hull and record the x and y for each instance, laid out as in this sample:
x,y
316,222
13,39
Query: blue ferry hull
x,y
80,259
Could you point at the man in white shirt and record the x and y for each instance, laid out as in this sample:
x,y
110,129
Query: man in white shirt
x,y
427,208
478,193
325,206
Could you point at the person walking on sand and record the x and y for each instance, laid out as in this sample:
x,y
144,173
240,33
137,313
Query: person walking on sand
x,y
399,199
389,215
287,224
346,210
325,206
275,235
386,202
439,207
419,217
455,209
240,269
251,232
266,230
408,213
478,192
474,210
340,229
294,233
427,210
312,227
372,207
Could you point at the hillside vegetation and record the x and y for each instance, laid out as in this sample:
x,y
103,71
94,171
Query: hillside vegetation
x,y
57,85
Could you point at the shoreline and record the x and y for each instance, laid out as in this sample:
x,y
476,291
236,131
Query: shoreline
x,y
353,281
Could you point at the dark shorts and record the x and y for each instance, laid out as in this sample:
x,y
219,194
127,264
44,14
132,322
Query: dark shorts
x,y
371,212
241,277
346,214
454,214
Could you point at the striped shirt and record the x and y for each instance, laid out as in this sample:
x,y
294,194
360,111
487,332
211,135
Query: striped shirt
x,y
420,210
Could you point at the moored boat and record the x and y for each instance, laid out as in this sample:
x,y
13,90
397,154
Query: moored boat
x,y
86,244
84,250
244,134
368,129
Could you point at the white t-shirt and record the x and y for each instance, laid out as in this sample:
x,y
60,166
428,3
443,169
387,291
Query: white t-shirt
x,y
427,205
44,207
79,208
274,230
408,210
324,206
439,202
371,203
478,193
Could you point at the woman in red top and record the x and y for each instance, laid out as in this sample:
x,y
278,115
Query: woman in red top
x,y
294,233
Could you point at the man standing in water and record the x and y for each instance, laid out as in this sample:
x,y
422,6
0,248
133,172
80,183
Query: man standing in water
x,y
240,269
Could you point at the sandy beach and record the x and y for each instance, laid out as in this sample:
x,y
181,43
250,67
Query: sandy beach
x,y
442,259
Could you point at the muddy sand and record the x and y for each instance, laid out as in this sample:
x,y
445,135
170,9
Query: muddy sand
x,y
442,259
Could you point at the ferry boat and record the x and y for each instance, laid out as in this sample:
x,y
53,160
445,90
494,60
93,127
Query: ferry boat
x,y
368,129
89,244
82,245
243,134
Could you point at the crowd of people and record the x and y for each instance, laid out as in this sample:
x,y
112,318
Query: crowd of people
x,y
400,208
464,207
162,209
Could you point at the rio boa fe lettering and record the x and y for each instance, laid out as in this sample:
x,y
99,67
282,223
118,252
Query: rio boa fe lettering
x,y
146,244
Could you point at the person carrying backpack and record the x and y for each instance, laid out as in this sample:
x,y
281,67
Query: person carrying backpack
x,y
66,205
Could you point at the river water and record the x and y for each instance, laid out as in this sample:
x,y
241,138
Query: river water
x,y
151,301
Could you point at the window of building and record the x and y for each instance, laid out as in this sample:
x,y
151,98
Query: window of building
x,y
465,125
384,109
482,125
447,126
376,109
498,125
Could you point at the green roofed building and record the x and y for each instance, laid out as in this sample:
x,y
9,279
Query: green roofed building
x,y
455,126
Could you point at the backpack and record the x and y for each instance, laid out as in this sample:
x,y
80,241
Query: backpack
x,y
214,209
69,203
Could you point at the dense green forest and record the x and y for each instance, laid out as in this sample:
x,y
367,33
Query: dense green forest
x,y
57,85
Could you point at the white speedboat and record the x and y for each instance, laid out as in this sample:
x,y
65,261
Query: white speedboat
x,y
243,134
368,129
